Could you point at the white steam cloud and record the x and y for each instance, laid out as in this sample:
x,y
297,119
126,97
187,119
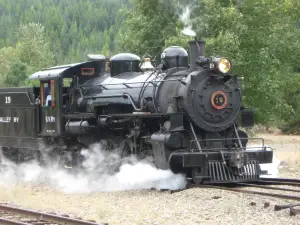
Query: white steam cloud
x,y
98,174
185,18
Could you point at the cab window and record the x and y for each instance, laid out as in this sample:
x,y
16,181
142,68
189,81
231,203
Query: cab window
x,y
67,82
47,93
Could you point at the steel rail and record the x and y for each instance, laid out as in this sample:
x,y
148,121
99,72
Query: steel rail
x,y
11,222
275,183
267,187
241,190
280,180
44,216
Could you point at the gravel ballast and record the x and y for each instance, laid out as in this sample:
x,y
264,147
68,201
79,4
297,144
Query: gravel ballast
x,y
193,206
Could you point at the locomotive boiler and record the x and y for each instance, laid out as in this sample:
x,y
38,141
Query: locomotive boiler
x,y
186,113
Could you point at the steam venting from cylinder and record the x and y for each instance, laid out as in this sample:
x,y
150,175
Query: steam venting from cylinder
x,y
196,49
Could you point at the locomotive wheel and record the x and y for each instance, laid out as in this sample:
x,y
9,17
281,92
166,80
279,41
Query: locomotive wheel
x,y
196,176
119,152
124,147
75,159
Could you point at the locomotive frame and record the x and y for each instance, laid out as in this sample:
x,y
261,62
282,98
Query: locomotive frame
x,y
129,111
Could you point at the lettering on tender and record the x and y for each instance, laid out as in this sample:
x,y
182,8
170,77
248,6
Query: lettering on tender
x,y
50,119
8,119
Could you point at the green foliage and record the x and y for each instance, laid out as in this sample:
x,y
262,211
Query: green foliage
x,y
37,34
33,47
148,26
17,75
7,56
30,54
73,28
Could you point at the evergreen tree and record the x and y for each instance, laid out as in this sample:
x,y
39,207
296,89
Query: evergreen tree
x,y
17,74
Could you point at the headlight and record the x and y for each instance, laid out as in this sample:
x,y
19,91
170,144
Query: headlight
x,y
222,65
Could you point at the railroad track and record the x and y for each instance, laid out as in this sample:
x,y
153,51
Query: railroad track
x,y
10,215
264,183
278,181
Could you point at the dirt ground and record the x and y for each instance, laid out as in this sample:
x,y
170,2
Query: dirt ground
x,y
286,149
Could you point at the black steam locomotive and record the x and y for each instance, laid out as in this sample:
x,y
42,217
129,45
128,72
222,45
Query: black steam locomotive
x,y
185,113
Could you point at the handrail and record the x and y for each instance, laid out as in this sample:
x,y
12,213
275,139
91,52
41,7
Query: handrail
x,y
124,95
225,139
127,85
264,148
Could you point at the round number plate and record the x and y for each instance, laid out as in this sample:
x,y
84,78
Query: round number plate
x,y
219,100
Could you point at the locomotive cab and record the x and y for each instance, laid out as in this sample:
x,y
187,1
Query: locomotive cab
x,y
60,89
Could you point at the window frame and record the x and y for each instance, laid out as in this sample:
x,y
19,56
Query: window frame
x,y
51,85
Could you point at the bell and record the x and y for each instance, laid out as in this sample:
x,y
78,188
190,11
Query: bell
x,y
146,64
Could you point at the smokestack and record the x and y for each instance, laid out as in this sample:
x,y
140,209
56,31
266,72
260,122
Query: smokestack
x,y
197,48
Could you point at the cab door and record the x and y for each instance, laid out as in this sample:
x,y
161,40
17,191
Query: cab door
x,y
50,110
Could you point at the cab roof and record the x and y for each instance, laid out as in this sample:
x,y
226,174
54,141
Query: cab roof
x,y
53,72
82,69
